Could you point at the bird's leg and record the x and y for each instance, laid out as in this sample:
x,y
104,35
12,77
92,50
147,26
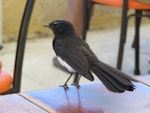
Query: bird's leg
x,y
65,84
76,83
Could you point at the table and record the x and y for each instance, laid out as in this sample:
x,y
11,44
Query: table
x,y
16,104
90,98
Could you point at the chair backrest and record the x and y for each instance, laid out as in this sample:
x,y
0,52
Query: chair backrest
x,y
133,4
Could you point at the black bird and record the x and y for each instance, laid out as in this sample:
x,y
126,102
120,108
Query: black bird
x,y
76,55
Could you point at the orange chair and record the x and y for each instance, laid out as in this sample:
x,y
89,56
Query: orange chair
x,y
125,5
5,80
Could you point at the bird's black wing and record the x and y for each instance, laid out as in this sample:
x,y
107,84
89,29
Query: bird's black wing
x,y
73,56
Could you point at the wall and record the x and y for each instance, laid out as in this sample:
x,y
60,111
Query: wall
x,y
46,11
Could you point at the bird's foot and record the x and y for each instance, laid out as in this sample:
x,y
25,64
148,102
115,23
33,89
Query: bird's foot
x,y
77,85
65,86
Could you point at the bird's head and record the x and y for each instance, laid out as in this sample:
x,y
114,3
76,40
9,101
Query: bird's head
x,y
61,27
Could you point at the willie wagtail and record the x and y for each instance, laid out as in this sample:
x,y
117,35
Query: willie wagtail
x,y
76,55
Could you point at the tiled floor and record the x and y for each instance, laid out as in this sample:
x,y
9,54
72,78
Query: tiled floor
x,y
39,72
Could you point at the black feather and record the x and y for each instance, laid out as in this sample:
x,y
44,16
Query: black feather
x,y
77,53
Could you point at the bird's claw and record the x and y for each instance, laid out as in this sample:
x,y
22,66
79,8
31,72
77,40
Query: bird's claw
x,y
65,86
77,85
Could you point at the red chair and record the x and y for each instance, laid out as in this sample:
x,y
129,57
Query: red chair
x,y
125,5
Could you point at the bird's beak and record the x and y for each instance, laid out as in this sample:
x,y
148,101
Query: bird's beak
x,y
45,25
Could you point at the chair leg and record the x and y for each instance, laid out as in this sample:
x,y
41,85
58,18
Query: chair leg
x,y
137,41
86,18
133,44
85,26
21,46
122,35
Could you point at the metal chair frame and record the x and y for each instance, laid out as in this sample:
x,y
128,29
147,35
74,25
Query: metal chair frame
x,y
138,15
21,47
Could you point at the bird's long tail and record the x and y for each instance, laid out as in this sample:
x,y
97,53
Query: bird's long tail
x,y
113,79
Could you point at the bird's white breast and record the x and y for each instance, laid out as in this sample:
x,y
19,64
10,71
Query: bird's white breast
x,y
63,63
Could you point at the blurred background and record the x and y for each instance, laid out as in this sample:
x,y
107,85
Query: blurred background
x,y
45,11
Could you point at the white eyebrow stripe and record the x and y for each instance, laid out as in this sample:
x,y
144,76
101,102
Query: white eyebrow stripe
x,y
57,22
